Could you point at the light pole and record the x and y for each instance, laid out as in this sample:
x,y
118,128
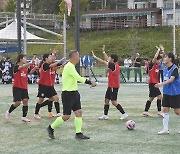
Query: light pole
x,y
77,32
174,26
19,25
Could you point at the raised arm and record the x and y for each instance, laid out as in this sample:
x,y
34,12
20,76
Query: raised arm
x,y
56,63
156,55
99,59
105,55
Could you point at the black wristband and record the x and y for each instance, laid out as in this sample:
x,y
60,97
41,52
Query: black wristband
x,y
59,64
88,82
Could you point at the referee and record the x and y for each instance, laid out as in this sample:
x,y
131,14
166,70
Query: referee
x,y
71,96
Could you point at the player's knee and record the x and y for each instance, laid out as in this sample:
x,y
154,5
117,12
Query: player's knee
x,y
114,103
177,112
66,117
16,104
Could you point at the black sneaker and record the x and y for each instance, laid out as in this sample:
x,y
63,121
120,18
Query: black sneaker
x,y
81,136
50,132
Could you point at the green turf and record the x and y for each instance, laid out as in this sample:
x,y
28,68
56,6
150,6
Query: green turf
x,y
109,136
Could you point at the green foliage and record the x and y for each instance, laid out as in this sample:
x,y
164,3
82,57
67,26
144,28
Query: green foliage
x,y
10,6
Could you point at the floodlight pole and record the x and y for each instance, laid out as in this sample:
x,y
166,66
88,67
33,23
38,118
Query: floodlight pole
x,y
64,34
19,25
174,26
77,32
24,23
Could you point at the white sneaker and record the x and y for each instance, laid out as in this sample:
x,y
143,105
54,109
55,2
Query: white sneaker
x,y
7,115
104,117
146,114
160,114
163,132
37,117
124,116
59,115
25,119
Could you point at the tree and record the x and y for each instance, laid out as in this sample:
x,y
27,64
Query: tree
x,y
10,6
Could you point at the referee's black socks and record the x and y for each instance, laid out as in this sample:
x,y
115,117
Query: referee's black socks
x,y
148,104
159,105
119,107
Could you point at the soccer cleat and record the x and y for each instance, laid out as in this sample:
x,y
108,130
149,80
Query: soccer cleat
x,y
25,119
81,136
50,132
7,116
103,117
59,115
160,114
146,114
124,116
163,132
50,115
37,117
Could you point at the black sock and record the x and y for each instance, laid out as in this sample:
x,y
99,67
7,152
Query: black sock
x,y
46,102
148,104
37,108
25,110
119,107
50,107
159,105
106,109
12,108
57,106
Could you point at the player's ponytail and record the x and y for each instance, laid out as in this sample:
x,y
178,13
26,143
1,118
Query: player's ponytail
x,y
46,55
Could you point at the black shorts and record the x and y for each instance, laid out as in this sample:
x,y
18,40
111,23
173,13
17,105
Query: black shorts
x,y
153,91
111,94
19,94
171,101
46,91
71,101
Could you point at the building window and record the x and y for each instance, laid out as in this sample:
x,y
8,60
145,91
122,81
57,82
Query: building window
x,y
169,16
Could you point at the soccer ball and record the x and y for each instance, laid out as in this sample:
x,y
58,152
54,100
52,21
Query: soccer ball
x,y
130,124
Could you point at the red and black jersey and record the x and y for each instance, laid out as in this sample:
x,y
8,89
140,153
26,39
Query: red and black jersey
x,y
53,76
114,76
153,73
20,77
45,75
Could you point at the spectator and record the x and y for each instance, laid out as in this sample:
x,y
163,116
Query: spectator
x,y
7,65
127,65
137,69
7,78
161,68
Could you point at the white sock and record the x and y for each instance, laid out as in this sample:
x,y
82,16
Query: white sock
x,y
166,121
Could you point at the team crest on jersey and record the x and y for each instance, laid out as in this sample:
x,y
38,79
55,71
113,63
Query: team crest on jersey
x,y
42,95
23,74
156,70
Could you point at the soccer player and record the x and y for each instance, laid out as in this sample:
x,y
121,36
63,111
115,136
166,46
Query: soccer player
x,y
171,91
20,89
153,72
53,76
113,84
46,88
71,97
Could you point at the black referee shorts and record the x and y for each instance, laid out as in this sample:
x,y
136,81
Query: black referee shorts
x,y
153,91
111,93
71,101
19,94
171,101
46,91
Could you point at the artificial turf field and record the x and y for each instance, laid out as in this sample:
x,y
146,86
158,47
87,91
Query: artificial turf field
x,y
110,136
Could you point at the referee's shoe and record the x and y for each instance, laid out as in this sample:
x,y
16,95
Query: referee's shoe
x,y
80,136
50,132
